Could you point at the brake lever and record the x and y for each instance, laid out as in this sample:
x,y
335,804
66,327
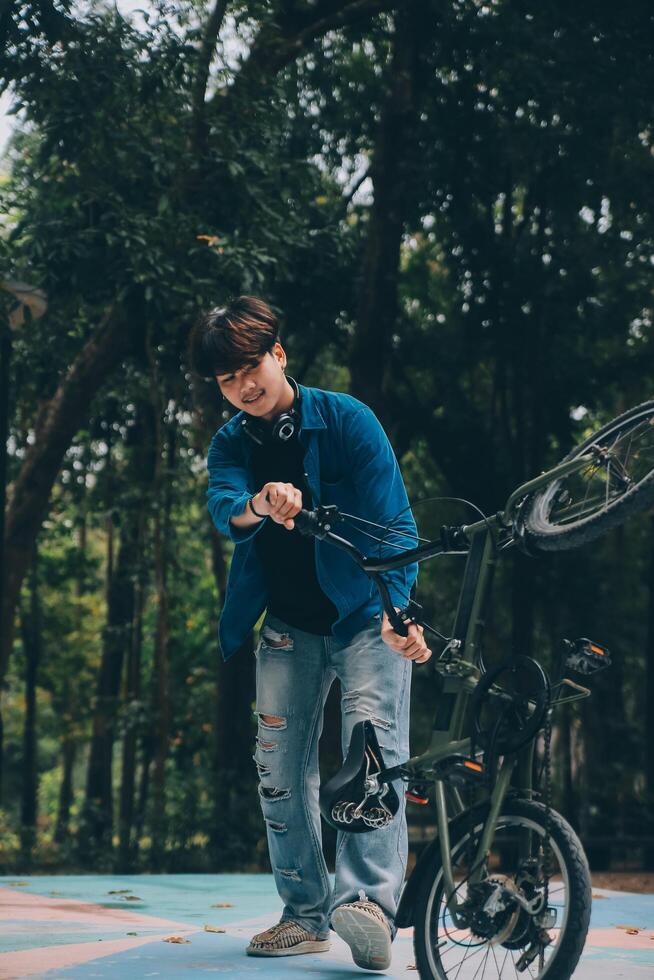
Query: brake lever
x,y
402,621
318,522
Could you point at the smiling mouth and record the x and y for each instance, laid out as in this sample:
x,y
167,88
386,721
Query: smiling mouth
x,y
249,401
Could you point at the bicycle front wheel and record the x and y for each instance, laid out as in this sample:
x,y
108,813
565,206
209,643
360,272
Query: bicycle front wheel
x,y
502,939
617,483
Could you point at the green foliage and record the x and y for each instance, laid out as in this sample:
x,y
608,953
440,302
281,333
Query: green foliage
x,y
525,321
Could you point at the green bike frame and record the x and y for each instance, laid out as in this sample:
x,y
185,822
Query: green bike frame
x,y
459,674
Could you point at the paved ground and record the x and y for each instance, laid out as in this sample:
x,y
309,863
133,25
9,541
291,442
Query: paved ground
x,y
111,927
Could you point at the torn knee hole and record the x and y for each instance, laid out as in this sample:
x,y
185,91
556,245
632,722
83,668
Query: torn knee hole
x,y
262,769
292,873
266,746
272,721
277,828
350,701
272,794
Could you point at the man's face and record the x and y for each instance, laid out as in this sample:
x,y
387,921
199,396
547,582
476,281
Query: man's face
x,y
256,387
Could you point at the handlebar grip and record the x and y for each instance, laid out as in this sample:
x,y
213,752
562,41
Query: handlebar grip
x,y
306,522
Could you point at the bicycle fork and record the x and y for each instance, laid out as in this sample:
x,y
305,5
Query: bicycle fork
x,y
497,798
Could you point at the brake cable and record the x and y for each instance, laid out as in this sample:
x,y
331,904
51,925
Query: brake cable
x,y
416,538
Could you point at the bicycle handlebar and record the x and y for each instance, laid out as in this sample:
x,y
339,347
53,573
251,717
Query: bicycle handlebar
x,y
319,523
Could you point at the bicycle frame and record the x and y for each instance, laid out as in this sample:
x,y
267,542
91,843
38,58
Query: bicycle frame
x,y
459,674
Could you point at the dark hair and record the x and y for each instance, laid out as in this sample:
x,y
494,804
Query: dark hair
x,y
229,337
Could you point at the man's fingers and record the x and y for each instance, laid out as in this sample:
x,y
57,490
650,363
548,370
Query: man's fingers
x,y
419,655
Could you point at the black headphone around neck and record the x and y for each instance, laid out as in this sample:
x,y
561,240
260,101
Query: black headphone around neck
x,y
283,428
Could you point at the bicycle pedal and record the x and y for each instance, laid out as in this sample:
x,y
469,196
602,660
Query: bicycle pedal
x,y
459,770
585,656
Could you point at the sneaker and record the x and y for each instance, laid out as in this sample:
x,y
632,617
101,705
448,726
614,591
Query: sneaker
x,y
286,939
365,929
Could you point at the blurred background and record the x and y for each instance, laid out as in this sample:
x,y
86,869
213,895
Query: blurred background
x,y
450,205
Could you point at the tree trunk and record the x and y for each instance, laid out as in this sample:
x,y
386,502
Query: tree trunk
x,y
132,701
391,172
235,826
31,634
163,494
144,468
5,360
57,422
68,739
69,751
649,707
97,818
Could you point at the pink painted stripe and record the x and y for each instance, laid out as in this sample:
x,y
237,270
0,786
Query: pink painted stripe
x,y
28,962
40,908
612,938
619,939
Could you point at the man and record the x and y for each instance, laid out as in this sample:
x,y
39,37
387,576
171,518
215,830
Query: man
x,y
290,447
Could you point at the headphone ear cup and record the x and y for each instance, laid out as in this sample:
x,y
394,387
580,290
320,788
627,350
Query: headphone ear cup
x,y
287,424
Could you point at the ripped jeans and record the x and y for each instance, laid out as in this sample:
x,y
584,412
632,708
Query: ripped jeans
x,y
295,671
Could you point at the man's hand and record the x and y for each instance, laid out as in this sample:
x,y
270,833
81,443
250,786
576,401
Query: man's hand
x,y
412,646
280,501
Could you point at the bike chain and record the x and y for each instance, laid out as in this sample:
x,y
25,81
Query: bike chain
x,y
548,806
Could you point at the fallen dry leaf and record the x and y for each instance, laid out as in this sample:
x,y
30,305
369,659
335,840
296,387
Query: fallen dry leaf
x,y
412,967
131,898
18,884
176,939
595,895
631,932
222,905
119,891
132,933
213,929
627,928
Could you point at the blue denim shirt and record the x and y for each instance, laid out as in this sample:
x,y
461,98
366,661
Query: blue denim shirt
x,y
349,462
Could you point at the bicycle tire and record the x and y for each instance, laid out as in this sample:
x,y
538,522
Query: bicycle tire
x,y
563,960
542,535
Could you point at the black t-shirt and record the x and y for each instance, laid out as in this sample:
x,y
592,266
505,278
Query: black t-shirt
x,y
288,557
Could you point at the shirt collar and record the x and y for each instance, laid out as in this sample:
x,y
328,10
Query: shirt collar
x,y
309,411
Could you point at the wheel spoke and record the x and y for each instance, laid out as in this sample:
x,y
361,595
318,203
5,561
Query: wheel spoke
x,y
481,966
471,946
492,949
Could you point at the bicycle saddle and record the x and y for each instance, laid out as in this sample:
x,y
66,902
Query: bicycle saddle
x,y
354,800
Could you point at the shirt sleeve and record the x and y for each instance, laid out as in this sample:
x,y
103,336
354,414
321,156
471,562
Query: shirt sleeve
x,y
228,490
380,487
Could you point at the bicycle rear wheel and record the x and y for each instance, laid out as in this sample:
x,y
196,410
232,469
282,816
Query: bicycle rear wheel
x,y
501,935
618,483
